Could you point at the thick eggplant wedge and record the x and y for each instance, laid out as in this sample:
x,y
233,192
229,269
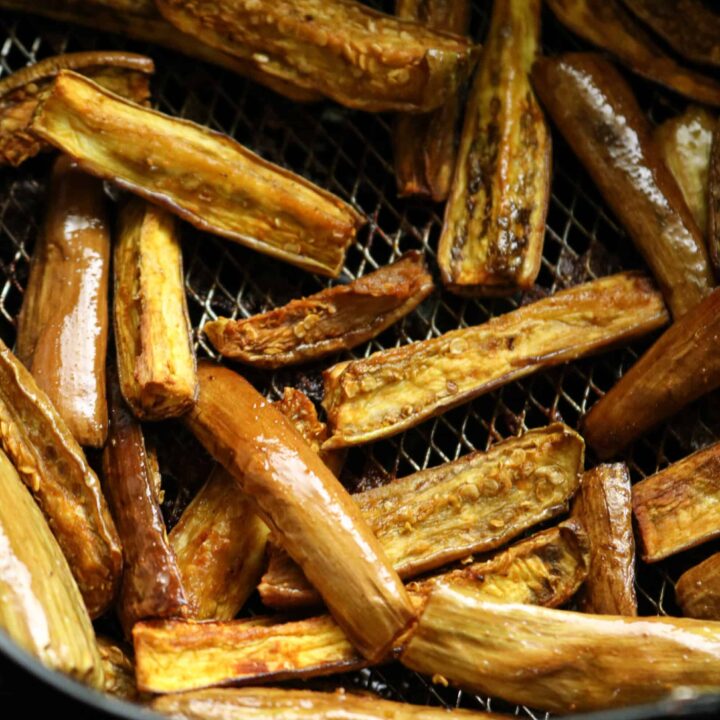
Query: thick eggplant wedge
x,y
559,660
53,466
63,324
424,145
204,177
679,507
119,670
396,389
332,320
310,514
681,366
595,110
474,504
123,73
492,237
41,608
607,24
345,50
698,590
604,509
714,198
153,336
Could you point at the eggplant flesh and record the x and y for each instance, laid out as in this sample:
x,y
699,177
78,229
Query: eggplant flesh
x,y
713,201
698,590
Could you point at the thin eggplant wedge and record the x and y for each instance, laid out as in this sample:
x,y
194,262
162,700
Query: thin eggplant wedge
x,y
153,336
119,670
396,389
681,366
559,660
607,24
679,507
604,508
492,237
424,145
63,324
41,608
698,590
335,319
53,466
714,197
345,50
309,512
204,177
123,73
597,113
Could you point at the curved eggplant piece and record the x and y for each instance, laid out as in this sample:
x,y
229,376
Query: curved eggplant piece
x,y
119,670
204,177
698,590
494,228
714,197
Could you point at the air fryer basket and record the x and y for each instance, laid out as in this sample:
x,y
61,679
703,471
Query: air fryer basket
x,y
349,153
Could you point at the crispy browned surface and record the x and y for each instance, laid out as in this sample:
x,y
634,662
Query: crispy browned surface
x,y
355,55
309,512
119,670
474,504
698,590
679,507
492,237
607,24
338,318
20,93
604,508
63,323
424,145
204,177
395,389
598,115
713,191
156,361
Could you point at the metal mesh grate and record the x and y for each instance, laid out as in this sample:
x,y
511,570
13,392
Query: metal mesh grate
x,y
349,153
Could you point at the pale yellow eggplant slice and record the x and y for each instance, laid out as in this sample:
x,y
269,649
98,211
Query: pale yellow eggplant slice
x,y
204,177
119,670
698,590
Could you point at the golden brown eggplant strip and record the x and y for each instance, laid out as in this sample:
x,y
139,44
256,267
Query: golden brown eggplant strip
x,y
119,670
345,50
123,73
63,323
424,145
492,237
607,24
698,590
600,118
713,191
338,318
204,177
393,390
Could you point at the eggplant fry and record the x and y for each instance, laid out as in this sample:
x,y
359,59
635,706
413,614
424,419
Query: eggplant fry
x,y
698,590
41,608
396,389
424,145
492,237
608,25
119,670
595,110
153,336
714,197
559,660
345,50
679,507
335,319
204,177
123,73
63,324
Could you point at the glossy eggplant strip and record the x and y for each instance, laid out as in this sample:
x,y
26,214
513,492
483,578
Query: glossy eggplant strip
x,y
680,367
424,145
153,336
474,504
604,508
679,507
123,73
714,197
347,51
396,389
204,177
492,237
308,511
698,590
607,24
119,670
41,608
559,660
63,324
335,319
53,466
595,110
